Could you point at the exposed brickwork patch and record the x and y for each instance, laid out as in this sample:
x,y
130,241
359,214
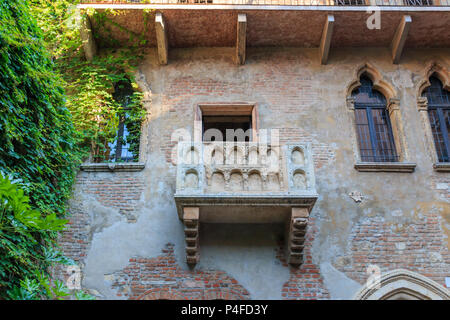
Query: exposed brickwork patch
x,y
120,190
441,183
322,153
75,239
162,278
305,282
419,247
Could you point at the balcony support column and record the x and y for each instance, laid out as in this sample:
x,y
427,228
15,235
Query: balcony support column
x,y
161,39
325,42
191,224
241,38
298,223
398,42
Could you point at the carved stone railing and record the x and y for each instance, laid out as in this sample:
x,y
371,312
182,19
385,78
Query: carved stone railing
x,y
237,182
244,168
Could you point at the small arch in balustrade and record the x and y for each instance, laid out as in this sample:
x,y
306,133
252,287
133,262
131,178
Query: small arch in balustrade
x,y
255,182
299,179
191,179
297,156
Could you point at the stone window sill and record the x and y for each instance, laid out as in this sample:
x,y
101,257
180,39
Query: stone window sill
x,y
112,167
385,166
442,166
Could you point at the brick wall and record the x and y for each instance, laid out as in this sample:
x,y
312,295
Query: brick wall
x,y
418,247
288,91
162,278
305,282
323,153
441,183
119,190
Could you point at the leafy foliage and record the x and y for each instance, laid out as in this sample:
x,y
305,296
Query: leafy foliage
x,y
94,107
37,141
37,145
90,84
23,258
56,109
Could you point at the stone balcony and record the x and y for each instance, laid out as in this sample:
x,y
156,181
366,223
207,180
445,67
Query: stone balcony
x,y
245,183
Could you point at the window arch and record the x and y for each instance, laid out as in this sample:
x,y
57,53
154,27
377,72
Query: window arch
x,y
374,130
439,115
401,284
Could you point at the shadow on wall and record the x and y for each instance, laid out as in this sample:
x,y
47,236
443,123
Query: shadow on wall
x,y
248,253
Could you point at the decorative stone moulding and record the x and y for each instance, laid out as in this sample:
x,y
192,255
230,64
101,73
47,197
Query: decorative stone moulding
x,y
442,166
246,182
112,166
401,284
385,166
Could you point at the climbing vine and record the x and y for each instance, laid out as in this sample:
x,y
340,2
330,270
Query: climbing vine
x,y
37,146
90,85
56,110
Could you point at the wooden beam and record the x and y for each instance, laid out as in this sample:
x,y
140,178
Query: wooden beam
x,y
325,42
87,37
241,38
161,38
398,42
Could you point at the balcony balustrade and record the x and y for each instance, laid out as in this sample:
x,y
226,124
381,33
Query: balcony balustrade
x,y
245,182
244,169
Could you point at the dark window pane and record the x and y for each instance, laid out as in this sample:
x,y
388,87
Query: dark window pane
x,y
419,3
366,96
438,136
438,112
362,128
383,135
436,95
350,2
374,131
215,128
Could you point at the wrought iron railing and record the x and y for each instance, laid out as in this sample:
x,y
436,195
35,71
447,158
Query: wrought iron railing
x,y
409,3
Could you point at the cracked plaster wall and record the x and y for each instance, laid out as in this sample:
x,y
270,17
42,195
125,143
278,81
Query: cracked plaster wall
x,y
296,94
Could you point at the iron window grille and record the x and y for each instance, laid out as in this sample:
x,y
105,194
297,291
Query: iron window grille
x,y
439,114
374,130
418,3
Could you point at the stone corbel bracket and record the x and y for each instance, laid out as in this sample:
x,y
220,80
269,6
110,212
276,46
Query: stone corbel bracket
x,y
191,224
296,235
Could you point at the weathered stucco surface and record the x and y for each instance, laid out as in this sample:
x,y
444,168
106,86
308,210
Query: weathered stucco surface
x,y
403,219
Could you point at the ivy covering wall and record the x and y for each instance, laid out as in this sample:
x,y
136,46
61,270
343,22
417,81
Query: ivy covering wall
x,y
56,110
90,84
37,147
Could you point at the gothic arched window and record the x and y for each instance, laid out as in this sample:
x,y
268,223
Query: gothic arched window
x,y
375,138
439,114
